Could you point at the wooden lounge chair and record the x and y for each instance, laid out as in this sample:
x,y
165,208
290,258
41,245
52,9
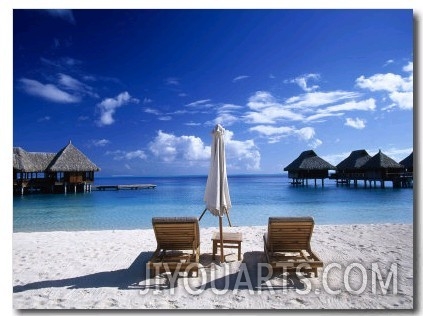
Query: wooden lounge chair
x,y
287,245
178,245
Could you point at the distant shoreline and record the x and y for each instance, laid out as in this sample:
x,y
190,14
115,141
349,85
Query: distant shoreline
x,y
194,176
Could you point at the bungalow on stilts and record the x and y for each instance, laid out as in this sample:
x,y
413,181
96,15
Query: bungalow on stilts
x,y
67,170
350,169
382,168
308,166
407,178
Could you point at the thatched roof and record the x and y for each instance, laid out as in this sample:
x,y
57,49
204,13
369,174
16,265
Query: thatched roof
x,y
67,159
31,161
71,159
408,161
381,161
308,160
355,160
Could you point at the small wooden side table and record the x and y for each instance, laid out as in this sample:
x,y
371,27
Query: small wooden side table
x,y
230,240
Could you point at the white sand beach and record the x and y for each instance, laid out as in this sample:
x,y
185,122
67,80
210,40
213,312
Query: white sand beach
x,y
366,267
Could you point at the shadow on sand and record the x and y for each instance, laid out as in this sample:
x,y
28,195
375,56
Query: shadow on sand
x,y
251,275
254,275
123,279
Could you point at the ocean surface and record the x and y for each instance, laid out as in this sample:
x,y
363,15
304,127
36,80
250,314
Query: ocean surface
x,y
254,199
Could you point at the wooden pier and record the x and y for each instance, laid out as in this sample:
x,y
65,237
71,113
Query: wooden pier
x,y
124,187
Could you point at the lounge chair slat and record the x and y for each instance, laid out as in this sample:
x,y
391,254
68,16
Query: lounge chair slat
x,y
287,242
175,236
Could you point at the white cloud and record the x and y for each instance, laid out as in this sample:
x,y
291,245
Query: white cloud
x,y
184,149
100,142
365,105
276,113
227,107
399,88
70,83
135,154
171,81
260,100
306,133
404,100
258,118
66,90
225,119
62,62
268,130
319,116
74,85
127,167
192,124
225,116
307,107
302,82
199,104
108,107
388,62
396,153
355,123
387,82
66,15
408,67
275,134
161,116
168,148
272,133
48,91
127,155
44,119
152,111
315,143
317,99
240,78
241,154
266,110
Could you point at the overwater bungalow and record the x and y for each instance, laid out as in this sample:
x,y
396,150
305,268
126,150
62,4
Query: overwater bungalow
x,y
407,177
350,169
382,168
407,162
308,166
69,169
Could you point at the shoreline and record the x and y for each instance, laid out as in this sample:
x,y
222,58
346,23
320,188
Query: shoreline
x,y
201,228
366,266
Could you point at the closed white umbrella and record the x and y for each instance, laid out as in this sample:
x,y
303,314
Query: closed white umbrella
x,y
216,196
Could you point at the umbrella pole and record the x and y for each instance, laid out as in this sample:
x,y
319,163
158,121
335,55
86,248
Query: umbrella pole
x,y
227,215
222,258
202,214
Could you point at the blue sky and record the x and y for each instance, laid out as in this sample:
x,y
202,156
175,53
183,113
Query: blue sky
x,y
139,91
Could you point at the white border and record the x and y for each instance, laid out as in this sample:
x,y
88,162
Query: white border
x,y
6,92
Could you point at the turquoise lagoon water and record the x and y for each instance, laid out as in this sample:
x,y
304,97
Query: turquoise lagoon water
x,y
254,199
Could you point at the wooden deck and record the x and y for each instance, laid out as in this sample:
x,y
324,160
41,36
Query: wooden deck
x,y
124,187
